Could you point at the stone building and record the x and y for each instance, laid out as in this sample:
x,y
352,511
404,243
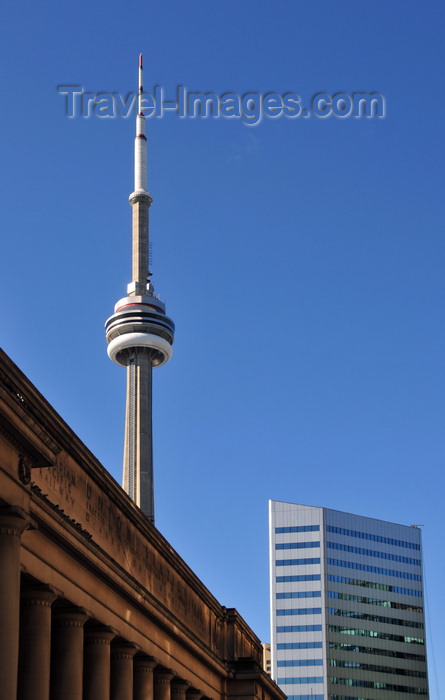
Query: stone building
x,y
94,603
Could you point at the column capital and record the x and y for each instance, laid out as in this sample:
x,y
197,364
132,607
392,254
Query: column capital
x,y
179,687
99,634
193,694
39,594
70,616
123,650
14,520
143,663
163,675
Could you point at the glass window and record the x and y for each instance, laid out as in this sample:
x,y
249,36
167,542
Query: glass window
x,y
299,594
298,611
374,538
297,562
299,577
373,553
297,545
297,528
374,569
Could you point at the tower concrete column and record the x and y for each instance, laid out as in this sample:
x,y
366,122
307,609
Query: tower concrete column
x,y
138,444
122,671
162,684
143,677
35,642
12,523
67,653
96,670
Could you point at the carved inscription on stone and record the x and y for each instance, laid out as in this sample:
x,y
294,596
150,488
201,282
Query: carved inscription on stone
x,y
96,508
59,482
130,549
71,489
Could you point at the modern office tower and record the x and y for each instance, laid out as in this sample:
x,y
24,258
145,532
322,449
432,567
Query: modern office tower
x,y
139,335
346,606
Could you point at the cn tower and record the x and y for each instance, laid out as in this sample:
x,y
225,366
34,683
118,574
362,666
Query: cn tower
x,y
139,334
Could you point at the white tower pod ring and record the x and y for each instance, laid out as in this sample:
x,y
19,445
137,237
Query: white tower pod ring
x,y
139,340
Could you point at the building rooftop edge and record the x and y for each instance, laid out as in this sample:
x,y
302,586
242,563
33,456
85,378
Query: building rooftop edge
x,y
346,512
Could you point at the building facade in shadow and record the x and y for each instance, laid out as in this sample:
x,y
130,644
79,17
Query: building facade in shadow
x,y
94,603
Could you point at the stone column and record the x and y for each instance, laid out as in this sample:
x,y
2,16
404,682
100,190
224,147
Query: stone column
x,y
194,694
35,642
178,689
161,685
67,653
96,662
143,677
12,523
122,670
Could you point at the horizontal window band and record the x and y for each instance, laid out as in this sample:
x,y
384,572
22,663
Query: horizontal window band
x,y
376,586
298,577
342,629
296,528
375,668
354,648
300,662
300,681
373,538
390,604
375,618
374,569
299,645
297,562
298,594
299,628
373,553
298,611
297,545
380,685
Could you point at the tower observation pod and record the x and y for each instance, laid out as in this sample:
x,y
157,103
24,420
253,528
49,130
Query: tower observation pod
x,y
139,335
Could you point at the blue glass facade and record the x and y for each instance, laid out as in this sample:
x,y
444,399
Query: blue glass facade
x,y
367,630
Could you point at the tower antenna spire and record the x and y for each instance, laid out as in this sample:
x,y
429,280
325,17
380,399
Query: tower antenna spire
x,y
139,334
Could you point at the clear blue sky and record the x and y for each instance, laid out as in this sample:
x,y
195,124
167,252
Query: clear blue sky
x,y
301,259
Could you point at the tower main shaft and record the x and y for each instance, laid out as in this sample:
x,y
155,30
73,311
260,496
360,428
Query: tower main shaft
x,y
139,335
